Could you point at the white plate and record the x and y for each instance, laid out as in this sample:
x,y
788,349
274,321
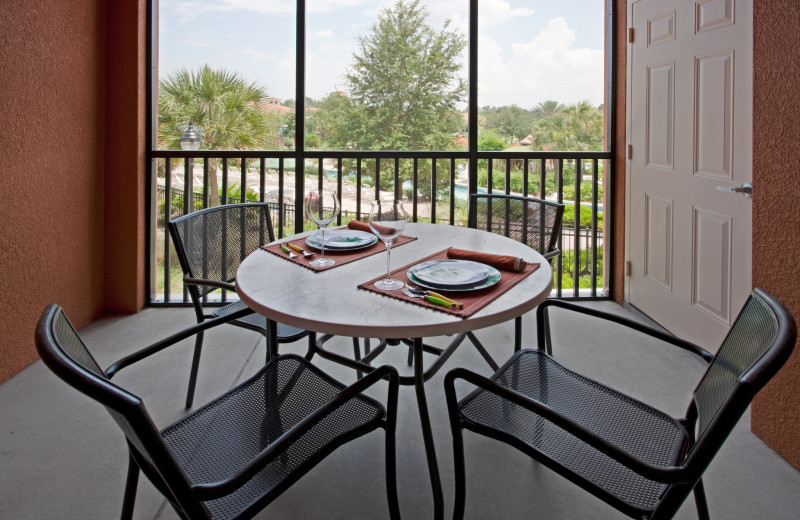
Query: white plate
x,y
494,277
446,274
342,239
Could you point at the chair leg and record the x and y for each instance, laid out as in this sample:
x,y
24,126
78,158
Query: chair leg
x,y
357,355
130,489
460,474
700,501
517,333
312,341
391,469
198,347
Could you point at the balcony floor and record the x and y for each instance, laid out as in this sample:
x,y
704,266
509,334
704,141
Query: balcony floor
x,y
63,456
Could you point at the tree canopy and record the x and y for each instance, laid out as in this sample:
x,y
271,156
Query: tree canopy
x,y
221,103
577,127
404,84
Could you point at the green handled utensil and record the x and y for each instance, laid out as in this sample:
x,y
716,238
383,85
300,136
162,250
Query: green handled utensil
x,y
287,251
439,301
432,299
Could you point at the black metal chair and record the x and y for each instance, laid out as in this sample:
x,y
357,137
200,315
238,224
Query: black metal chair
x,y
534,222
235,455
210,244
634,457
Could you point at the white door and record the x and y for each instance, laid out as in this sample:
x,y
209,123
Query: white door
x,y
689,132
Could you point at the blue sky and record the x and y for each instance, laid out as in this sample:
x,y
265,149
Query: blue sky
x,y
529,51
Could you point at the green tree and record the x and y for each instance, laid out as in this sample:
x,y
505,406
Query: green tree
x,y
512,122
578,127
404,83
221,103
546,109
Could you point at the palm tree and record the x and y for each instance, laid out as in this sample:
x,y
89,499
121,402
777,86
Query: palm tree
x,y
578,127
221,103
546,109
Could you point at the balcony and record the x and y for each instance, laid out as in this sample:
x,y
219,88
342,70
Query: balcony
x,y
63,456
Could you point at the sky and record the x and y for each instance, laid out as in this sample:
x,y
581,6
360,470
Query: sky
x,y
528,51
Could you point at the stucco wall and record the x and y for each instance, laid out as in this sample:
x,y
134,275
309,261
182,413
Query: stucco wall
x,y
125,167
73,135
776,202
52,137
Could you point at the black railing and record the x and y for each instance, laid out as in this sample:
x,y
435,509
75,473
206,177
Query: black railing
x,y
436,185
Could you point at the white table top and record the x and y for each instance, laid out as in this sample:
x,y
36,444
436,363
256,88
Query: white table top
x,y
330,302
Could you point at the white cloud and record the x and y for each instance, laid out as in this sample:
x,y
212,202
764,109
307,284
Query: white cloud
x,y
499,11
546,67
195,43
325,33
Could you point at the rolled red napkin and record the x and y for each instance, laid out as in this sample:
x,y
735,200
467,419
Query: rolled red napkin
x,y
507,262
362,226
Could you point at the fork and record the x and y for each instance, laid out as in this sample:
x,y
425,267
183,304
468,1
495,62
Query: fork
x,y
431,299
286,250
302,251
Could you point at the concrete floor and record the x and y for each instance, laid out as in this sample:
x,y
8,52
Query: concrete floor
x,y
63,457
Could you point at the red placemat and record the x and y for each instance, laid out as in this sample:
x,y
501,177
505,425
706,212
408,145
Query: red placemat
x,y
341,257
473,301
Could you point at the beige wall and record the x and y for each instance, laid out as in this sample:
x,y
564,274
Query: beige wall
x,y
65,155
776,202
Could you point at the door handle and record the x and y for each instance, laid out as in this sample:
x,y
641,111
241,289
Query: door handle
x,y
745,189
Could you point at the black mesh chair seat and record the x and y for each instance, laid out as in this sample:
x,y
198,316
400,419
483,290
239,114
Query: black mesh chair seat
x,y
218,440
636,458
643,431
258,322
230,458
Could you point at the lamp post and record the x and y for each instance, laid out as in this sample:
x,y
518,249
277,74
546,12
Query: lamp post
x,y
190,140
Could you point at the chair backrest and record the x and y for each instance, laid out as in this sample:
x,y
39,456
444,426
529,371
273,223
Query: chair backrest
x,y
534,222
758,344
211,243
63,351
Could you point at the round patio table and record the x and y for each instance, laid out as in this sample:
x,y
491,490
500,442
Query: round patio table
x,y
330,302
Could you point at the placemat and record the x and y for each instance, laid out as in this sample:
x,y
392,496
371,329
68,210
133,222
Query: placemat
x,y
341,257
473,301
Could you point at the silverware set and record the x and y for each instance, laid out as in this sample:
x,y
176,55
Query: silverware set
x,y
430,296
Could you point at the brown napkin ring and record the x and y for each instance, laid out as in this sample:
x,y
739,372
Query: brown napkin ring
x,y
507,262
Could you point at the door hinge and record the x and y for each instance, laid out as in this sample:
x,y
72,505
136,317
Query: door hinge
x,y
630,151
628,268
630,35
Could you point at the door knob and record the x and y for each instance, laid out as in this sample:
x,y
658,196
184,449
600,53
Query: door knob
x,y
745,189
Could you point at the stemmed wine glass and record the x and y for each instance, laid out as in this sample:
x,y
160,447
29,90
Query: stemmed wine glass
x,y
322,208
387,219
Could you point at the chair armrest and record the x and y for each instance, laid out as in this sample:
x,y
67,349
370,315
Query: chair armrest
x,y
665,474
211,283
543,327
210,491
171,340
552,254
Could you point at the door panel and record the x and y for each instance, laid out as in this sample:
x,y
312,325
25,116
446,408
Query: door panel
x,y
690,130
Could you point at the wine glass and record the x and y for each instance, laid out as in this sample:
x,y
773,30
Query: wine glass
x,y
322,208
387,219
